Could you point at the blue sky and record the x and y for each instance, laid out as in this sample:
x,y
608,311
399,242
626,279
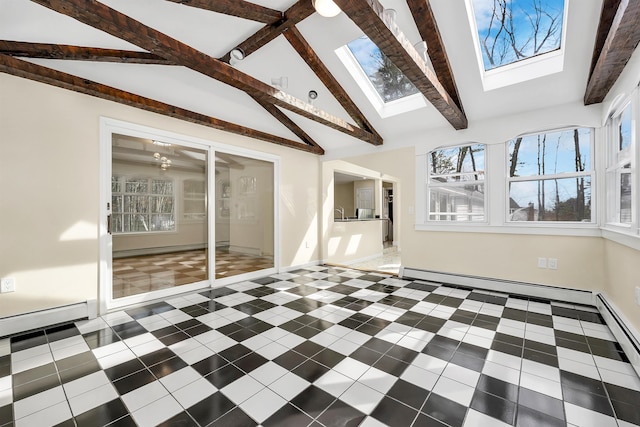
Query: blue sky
x,y
522,27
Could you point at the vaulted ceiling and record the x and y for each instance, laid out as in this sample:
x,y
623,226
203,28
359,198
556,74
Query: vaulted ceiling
x,y
172,57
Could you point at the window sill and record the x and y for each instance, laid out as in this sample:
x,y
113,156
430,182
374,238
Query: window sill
x,y
622,236
590,230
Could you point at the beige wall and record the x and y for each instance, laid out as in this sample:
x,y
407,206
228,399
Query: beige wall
x,y
49,181
622,278
344,197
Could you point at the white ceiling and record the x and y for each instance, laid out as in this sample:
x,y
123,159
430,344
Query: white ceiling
x,y
216,34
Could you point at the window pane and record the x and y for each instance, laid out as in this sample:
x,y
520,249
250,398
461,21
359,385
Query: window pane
x,y
566,199
625,197
136,204
162,187
459,203
136,223
386,78
116,203
137,185
116,187
550,153
457,164
624,128
510,31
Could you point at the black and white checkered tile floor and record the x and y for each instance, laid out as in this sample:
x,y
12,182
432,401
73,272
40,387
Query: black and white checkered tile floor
x,y
324,346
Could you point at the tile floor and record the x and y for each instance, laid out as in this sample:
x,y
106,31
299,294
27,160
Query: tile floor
x,y
388,262
141,274
324,346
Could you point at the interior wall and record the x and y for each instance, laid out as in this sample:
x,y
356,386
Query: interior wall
x,y
622,279
49,184
344,197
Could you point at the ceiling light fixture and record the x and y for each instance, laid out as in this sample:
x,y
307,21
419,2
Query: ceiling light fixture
x,y
280,82
312,96
164,162
235,56
326,8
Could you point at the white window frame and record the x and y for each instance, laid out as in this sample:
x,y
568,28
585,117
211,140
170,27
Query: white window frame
x,y
590,173
453,185
615,161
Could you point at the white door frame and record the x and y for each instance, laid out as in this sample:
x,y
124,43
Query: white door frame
x,y
110,126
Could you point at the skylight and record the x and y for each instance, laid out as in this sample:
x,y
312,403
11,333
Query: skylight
x,y
513,30
385,77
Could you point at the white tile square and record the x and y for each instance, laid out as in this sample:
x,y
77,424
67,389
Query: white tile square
x,y
116,358
221,344
585,418
453,390
420,377
148,347
541,385
274,334
38,402
504,359
157,412
272,350
501,372
289,385
85,384
623,380
262,405
585,370
324,339
185,346
357,337
378,380
578,356
461,374
92,399
139,340
242,389
362,397
50,416
334,383
196,355
268,373
429,363
86,326
22,365
144,395
344,347
475,419
338,331
541,370
194,392
351,368
178,379
291,340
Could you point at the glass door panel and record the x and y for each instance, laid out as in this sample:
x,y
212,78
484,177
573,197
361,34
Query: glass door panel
x,y
159,221
244,217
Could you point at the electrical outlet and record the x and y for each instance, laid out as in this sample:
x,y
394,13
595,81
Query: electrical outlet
x,y
638,295
8,284
542,263
553,263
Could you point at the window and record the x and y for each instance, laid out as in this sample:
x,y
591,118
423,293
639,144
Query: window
x,y
620,174
194,197
390,83
455,182
550,176
142,204
513,30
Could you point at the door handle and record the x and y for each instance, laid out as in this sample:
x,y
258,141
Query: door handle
x,y
109,224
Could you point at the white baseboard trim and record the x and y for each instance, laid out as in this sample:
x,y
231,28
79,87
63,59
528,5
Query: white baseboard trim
x,y
299,266
627,336
245,250
158,250
356,261
12,325
505,286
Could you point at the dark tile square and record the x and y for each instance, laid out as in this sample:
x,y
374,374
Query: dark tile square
x,y
466,361
402,353
149,310
440,352
234,418
103,414
289,416
26,341
445,410
35,386
157,356
498,388
183,419
594,402
290,359
6,414
376,344
541,403
78,371
242,334
540,357
391,366
235,352
129,330
627,412
210,364
166,331
33,374
408,394
514,314
134,381
509,339
307,332
308,348
622,394
224,376
527,417
369,329
340,414
174,338
538,346
506,348
313,401
575,381
197,330
167,367
229,329
328,357
61,332
250,362
366,356
210,409
101,338
124,369
494,406
426,421
310,370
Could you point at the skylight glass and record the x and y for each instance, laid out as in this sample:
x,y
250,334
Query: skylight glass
x,y
385,77
513,30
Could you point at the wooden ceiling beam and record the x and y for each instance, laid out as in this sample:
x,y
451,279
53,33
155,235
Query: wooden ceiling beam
x,y
305,51
39,73
622,37
289,124
239,8
78,53
369,18
292,16
428,28
111,21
